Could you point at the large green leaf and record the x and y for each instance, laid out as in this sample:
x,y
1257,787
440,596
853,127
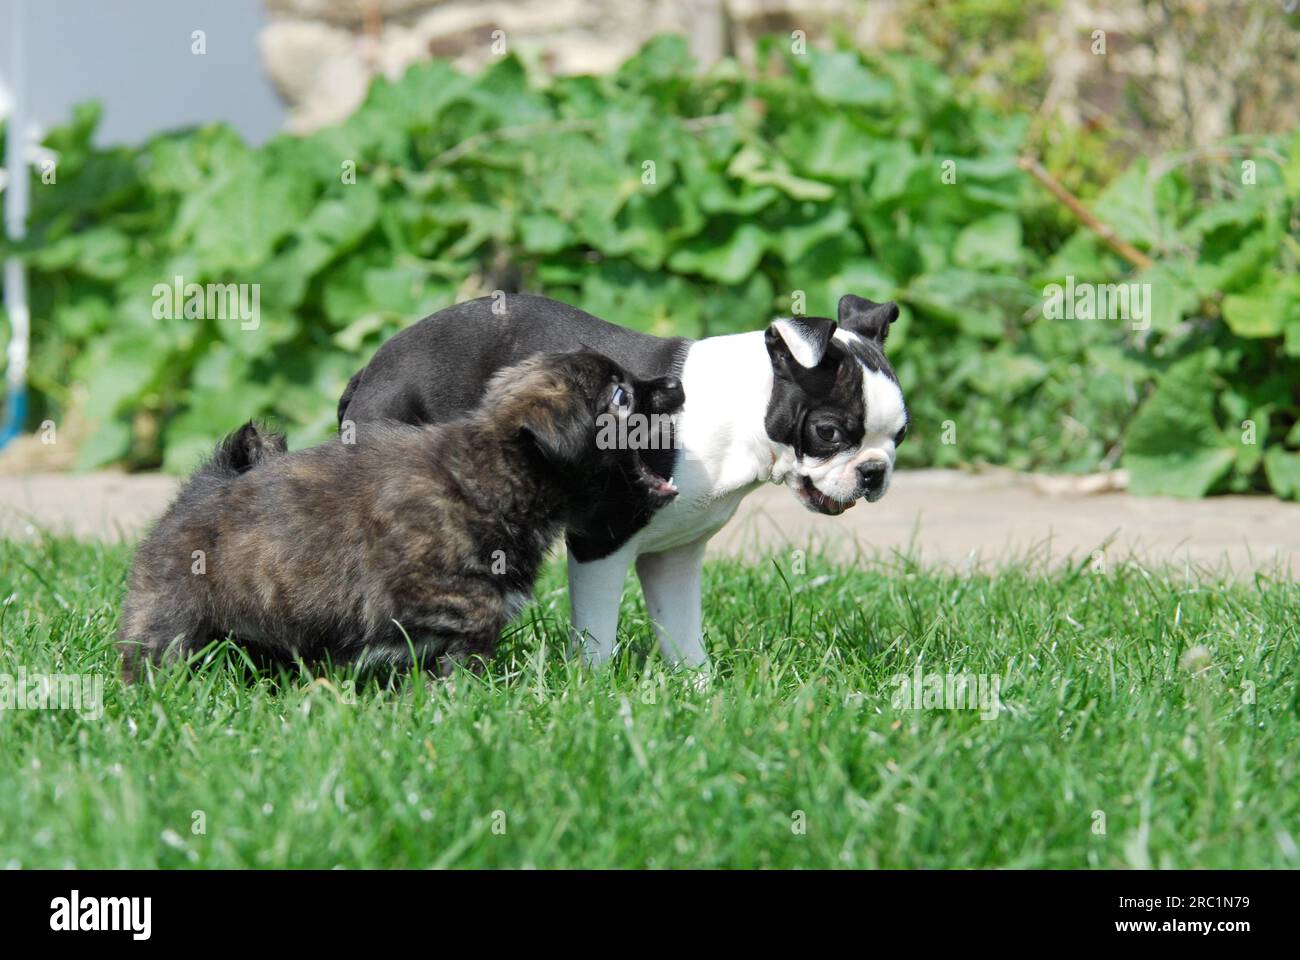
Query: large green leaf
x,y
796,240
1173,446
991,242
977,303
236,221
1266,312
840,78
1125,206
120,369
728,259
831,145
758,170
1168,296
1283,469
109,442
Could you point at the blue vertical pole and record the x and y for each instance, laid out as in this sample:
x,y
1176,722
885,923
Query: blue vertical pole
x,y
16,197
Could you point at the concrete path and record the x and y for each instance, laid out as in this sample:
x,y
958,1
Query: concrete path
x,y
955,519
946,517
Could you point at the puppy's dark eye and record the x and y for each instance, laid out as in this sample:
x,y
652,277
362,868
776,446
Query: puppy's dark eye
x,y
827,433
619,397
900,436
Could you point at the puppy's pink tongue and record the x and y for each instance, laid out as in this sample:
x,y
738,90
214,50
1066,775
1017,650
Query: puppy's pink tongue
x,y
850,504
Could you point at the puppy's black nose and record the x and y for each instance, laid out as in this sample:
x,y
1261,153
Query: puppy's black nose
x,y
666,395
872,473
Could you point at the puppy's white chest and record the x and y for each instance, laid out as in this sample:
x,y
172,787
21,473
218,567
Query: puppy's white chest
x,y
694,514
724,449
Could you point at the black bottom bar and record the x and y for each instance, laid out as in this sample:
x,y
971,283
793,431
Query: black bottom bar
x,y
335,908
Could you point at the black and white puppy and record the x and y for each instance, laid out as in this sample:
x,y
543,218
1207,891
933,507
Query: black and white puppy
x,y
807,402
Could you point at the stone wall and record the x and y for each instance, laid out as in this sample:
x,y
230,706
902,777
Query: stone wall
x,y
1174,72
320,53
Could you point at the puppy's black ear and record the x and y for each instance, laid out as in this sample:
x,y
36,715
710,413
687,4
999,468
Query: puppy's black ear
x,y
866,317
801,339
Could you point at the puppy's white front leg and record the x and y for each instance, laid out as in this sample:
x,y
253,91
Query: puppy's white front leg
x,y
671,583
595,591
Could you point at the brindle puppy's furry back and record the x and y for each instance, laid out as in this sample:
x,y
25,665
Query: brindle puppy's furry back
x,y
321,554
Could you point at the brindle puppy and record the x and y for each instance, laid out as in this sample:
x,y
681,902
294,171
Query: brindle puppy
x,y
414,542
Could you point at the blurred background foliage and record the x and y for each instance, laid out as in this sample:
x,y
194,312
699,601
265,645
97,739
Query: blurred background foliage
x,y
784,183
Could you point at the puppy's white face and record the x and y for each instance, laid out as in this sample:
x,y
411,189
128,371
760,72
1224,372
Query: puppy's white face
x,y
837,412
861,468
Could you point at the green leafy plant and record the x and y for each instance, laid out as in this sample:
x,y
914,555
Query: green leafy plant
x,y
678,203
1218,368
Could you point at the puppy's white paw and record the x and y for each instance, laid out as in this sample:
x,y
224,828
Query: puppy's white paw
x,y
700,677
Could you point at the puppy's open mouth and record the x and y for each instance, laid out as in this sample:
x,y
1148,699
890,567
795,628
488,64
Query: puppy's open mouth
x,y
661,489
814,499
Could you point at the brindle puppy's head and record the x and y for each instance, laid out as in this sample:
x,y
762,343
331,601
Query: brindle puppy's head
x,y
589,421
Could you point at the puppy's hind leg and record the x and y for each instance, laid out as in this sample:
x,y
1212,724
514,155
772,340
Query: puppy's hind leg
x,y
457,622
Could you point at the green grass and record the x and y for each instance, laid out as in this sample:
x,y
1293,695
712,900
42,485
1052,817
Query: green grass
x,y
544,764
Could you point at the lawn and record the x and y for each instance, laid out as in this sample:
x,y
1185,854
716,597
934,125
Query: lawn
x,y
1112,744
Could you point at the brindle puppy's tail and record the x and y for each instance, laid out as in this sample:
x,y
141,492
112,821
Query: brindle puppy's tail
x,y
244,449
